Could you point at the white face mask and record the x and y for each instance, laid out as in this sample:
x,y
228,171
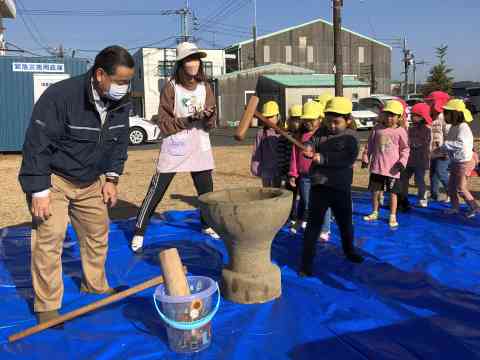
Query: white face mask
x,y
116,92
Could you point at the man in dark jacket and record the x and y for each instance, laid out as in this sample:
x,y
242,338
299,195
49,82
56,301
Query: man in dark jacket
x,y
74,152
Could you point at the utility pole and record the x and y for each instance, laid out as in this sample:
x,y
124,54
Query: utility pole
x,y
254,30
407,61
415,63
3,43
337,46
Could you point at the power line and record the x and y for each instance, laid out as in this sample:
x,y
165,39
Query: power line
x,y
32,35
99,12
131,48
216,14
23,50
227,11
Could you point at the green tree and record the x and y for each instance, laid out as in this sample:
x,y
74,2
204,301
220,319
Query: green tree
x,y
439,78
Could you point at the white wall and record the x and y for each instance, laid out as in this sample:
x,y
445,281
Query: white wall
x,y
152,81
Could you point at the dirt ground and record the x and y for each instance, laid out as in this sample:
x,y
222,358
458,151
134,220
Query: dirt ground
x,y
232,170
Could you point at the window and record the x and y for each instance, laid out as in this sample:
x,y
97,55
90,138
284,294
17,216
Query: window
x,y
165,68
266,54
288,54
361,54
310,54
302,42
208,68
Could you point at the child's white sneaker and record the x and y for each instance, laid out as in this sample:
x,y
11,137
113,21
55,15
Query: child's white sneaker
x,y
423,203
137,243
304,225
324,236
472,213
210,232
392,222
372,217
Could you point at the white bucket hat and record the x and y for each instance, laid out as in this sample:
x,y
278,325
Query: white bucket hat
x,y
186,49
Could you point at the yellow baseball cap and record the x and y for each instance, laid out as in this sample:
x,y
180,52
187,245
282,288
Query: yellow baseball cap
x,y
324,98
270,108
459,105
312,110
394,107
296,110
339,105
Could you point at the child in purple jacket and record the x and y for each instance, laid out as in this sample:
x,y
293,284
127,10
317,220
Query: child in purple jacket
x,y
265,156
420,140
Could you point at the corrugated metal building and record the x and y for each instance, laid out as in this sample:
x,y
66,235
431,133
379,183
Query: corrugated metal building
x,y
234,89
22,80
288,90
310,45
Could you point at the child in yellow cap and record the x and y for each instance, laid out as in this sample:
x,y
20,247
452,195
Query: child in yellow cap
x,y
333,150
313,115
459,147
265,160
388,153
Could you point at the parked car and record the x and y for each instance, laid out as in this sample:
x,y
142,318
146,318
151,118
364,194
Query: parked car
x,y
413,96
376,102
363,118
472,99
142,131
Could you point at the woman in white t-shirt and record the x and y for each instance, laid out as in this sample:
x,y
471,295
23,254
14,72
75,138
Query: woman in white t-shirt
x,y
187,112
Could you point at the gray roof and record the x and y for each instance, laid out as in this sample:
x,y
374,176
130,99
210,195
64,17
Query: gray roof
x,y
306,24
267,68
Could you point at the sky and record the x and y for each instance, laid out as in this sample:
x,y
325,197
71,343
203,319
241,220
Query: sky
x,y
426,24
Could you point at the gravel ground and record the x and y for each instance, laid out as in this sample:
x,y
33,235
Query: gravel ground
x,y
232,170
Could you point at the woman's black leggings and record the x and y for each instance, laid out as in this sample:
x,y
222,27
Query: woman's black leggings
x,y
159,184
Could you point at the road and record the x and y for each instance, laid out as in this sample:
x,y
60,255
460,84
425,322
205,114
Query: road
x,y
224,137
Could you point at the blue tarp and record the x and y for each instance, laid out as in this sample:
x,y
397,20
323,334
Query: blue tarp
x,y
417,295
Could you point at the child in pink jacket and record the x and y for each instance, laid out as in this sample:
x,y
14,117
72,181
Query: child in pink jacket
x,y
388,153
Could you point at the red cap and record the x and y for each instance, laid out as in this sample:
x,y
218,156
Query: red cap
x,y
423,110
439,99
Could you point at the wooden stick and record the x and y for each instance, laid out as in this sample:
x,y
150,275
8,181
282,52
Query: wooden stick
x,y
247,118
88,308
176,282
279,130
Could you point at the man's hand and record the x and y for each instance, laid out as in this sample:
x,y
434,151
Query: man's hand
x,y
109,192
41,207
292,182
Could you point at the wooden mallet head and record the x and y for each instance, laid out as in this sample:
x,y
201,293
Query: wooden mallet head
x,y
247,118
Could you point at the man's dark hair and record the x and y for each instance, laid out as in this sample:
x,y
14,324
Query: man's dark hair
x,y
111,57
